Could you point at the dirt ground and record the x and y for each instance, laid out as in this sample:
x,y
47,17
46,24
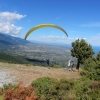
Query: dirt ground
x,y
27,74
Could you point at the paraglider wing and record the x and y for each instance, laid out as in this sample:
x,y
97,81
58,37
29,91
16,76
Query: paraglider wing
x,y
42,26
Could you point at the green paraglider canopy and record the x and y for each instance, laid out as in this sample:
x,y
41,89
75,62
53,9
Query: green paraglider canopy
x,y
43,26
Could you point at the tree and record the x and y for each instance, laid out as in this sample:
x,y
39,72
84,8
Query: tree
x,y
98,56
81,50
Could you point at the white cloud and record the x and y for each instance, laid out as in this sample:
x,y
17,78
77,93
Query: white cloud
x,y
57,38
70,38
9,16
84,38
9,28
80,38
94,40
51,37
7,23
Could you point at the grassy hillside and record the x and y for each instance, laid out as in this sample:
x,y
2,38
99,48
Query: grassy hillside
x,y
36,56
12,59
17,59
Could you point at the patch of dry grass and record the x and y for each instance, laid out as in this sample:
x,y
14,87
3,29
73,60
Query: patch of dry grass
x,y
27,74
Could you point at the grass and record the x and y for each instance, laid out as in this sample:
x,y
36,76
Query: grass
x,y
2,65
27,74
1,98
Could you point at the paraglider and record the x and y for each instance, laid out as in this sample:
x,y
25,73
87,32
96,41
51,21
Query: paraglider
x,y
43,26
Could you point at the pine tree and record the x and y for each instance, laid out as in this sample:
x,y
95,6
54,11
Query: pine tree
x,y
81,50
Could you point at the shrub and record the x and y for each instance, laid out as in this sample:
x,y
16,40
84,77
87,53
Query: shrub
x,y
91,69
90,64
45,88
81,86
51,89
86,89
20,93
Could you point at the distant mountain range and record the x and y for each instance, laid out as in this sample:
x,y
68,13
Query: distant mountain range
x,y
9,42
35,52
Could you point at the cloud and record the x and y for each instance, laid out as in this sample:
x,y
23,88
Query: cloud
x,y
96,37
94,40
80,38
95,24
7,23
9,16
51,37
71,38
9,28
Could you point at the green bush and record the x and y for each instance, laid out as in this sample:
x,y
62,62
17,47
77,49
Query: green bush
x,y
86,89
91,69
7,86
51,89
45,88
81,89
90,64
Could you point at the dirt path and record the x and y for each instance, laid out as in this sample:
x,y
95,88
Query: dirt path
x,y
27,74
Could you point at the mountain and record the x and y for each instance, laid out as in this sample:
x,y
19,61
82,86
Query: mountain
x,y
8,42
34,52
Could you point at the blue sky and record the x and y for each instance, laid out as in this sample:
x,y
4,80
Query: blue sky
x,y
80,19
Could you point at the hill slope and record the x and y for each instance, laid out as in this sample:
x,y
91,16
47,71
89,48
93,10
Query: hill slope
x,y
9,43
34,52
27,74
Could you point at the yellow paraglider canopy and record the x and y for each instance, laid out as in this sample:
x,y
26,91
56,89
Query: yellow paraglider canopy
x,y
42,26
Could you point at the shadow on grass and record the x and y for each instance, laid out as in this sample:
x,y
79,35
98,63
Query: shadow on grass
x,y
36,60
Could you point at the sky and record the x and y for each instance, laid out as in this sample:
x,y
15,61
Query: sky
x,y
79,18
